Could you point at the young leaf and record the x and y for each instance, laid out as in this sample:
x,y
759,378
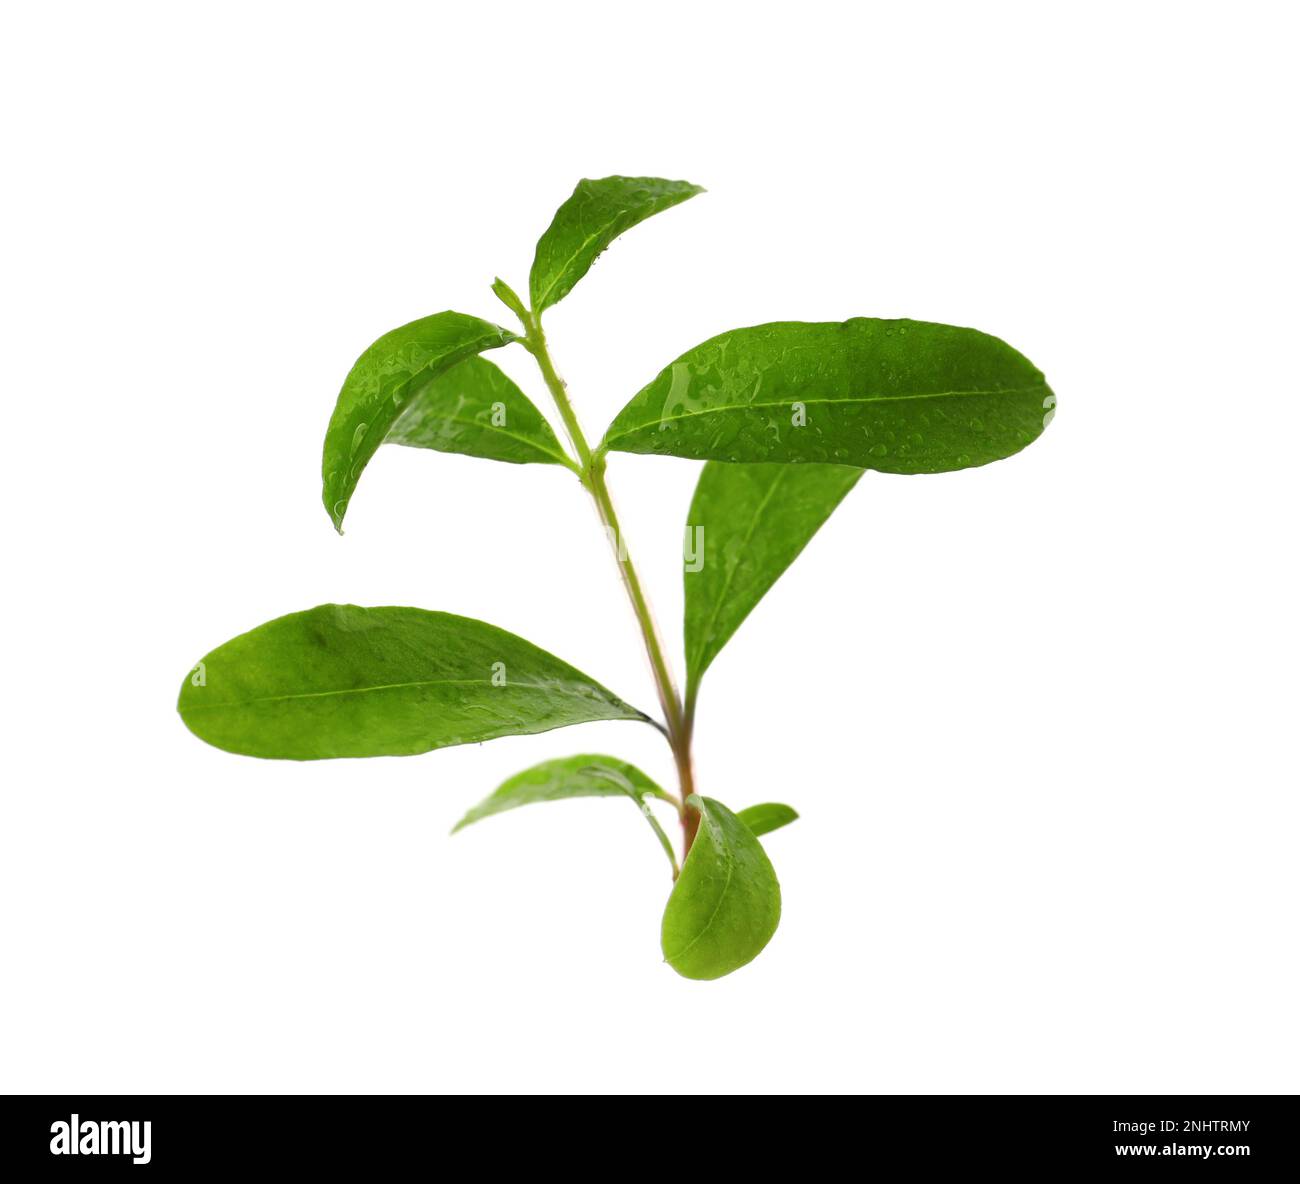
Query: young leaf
x,y
577,777
596,214
585,776
381,386
339,681
747,524
896,396
768,816
475,409
726,903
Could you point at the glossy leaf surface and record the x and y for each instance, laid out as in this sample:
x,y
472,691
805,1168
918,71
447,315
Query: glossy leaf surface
x,y
726,903
476,409
597,213
767,817
747,524
895,396
381,386
587,775
343,681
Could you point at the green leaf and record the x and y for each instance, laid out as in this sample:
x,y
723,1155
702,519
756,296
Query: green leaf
x,y
476,409
768,816
382,385
338,681
596,214
584,776
587,775
895,396
747,524
726,903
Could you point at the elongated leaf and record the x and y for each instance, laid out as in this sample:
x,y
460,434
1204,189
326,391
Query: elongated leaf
x,y
588,775
896,396
338,680
747,524
726,903
381,386
476,409
768,816
596,214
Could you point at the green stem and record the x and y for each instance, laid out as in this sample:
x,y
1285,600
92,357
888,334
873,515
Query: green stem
x,y
644,806
668,697
663,838
593,478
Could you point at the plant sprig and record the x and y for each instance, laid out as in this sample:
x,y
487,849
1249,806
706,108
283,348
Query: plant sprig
x,y
787,417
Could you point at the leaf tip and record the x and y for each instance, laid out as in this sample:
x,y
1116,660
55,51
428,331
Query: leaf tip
x,y
337,511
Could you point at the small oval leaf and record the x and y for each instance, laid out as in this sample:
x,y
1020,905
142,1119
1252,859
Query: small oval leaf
x,y
587,775
476,409
766,817
343,681
726,903
380,387
596,214
747,524
895,396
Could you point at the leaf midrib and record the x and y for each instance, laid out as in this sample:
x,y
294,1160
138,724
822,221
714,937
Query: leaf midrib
x,y
396,686
559,457
730,861
808,402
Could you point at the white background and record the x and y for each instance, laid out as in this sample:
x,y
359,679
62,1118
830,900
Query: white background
x,y
1039,718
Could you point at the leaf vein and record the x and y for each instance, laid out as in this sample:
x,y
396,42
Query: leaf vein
x,y
726,887
396,686
525,440
784,403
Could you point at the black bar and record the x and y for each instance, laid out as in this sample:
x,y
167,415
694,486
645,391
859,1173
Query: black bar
x,y
362,1135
